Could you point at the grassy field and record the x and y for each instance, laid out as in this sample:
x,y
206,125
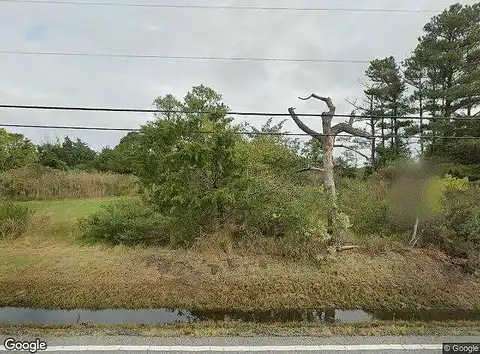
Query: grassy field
x,y
50,268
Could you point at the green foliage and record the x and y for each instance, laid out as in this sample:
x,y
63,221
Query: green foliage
x,y
471,172
293,145
190,175
456,229
436,188
366,204
67,154
387,98
268,156
201,182
121,159
15,151
13,219
312,151
129,222
279,209
444,69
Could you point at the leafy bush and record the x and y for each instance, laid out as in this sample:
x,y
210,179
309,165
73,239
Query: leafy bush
x,y
13,219
15,151
130,222
38,182
457,227
278,209
366,203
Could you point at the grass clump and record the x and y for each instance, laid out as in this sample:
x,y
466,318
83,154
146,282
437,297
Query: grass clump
x,y
39,182
13,219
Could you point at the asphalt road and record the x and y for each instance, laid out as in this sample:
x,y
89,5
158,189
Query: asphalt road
x,y
360,345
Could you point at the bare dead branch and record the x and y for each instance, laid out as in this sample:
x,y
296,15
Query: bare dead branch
x,y
354,104
327,100
352,149
303,126
348,128
352,118
363,84
309,168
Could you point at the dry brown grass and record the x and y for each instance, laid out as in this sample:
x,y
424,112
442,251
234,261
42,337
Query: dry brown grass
x,y
48,268
213,329
44,183
55,275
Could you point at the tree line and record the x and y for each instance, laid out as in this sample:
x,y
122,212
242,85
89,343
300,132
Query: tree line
x,y
441,78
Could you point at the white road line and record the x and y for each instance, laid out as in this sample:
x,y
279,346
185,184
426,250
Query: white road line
x,y
241,348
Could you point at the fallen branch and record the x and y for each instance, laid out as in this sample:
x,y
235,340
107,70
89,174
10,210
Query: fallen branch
x,y
415,238
309,168
347,248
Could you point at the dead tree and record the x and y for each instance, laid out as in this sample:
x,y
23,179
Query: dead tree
x,y
327,140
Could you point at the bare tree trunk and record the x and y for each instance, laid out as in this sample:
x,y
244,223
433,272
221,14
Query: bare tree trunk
x,y
329,183
327,138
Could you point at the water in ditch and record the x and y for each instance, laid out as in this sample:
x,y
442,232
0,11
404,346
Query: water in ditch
x,y
14,315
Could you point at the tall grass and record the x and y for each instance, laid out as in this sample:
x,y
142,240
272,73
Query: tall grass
x,y
38,182
13,219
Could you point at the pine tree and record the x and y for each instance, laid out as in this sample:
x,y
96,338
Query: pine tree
x,y
447,56
387,92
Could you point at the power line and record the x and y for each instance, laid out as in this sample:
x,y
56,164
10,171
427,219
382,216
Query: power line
x,y
69,127
233,113
220,7
193,57
180,57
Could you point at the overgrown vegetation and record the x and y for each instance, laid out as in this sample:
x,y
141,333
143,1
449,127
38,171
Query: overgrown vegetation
x,y
13,220
38,182
128,222
205,187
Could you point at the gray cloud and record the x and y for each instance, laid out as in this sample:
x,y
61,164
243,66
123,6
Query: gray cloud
x,y
251,86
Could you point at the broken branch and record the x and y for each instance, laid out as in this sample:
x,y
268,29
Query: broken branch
x,y
303,126
348,128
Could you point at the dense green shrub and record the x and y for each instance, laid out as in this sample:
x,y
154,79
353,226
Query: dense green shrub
x,y
13,219
275,208
366,203
129,222
457,227
15,151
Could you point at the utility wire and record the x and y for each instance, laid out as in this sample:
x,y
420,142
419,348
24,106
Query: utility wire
x,y
219,7
472,64
68,127
261,114
180,57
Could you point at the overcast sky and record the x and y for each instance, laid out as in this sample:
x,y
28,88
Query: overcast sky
x,y
245,86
